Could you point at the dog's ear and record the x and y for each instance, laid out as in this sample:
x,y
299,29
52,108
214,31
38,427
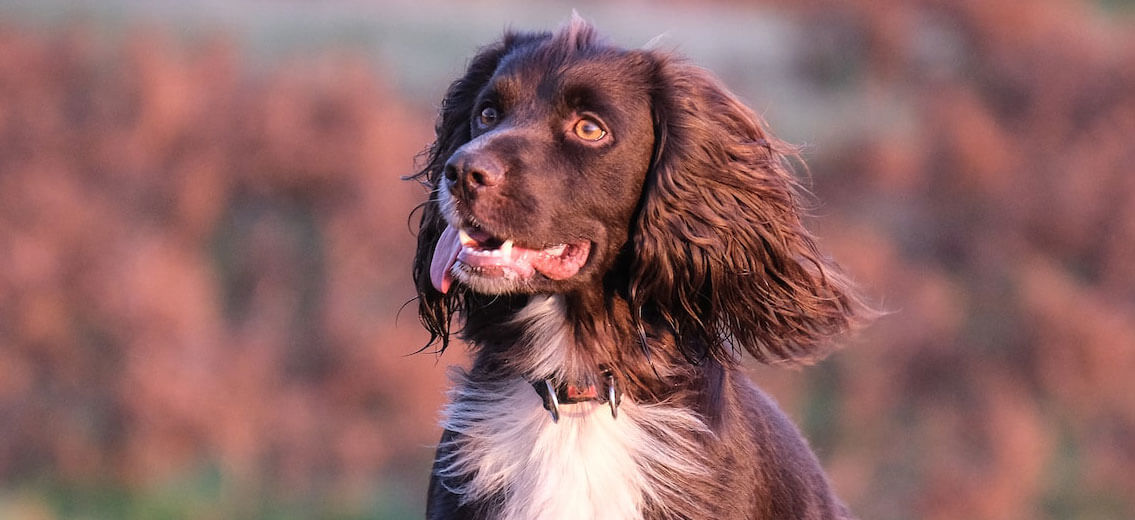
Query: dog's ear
x,y
452,130
720,254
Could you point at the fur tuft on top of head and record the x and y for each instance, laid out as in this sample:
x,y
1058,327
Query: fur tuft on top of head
x,y
577,34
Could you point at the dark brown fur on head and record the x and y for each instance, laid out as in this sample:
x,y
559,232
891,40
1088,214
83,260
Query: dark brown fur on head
x,y
713,253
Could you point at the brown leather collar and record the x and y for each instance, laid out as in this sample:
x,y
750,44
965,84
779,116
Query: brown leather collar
x,y
554,394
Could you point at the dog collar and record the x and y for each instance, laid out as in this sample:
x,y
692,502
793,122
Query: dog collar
x,y
553,394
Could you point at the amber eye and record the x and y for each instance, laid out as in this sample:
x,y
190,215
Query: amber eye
x,y
588,130
488,116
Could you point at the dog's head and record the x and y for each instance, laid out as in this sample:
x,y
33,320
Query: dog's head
x,y
544,166
566,165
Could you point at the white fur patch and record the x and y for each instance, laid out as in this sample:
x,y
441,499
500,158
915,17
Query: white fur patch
x,y
546,334
589,465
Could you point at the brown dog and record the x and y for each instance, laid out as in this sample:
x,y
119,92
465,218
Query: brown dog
x,y
615,228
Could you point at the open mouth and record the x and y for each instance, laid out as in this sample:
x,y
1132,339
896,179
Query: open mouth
x,y
474,251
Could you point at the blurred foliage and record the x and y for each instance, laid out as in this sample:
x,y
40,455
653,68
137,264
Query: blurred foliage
x,y
202,263
997,222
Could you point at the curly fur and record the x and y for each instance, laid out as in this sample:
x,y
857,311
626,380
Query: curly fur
x,y
720,254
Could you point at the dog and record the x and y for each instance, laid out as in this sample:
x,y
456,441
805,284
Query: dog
x,y
612,228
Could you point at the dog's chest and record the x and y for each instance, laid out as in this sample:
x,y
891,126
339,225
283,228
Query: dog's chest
x,y
583,467
589,465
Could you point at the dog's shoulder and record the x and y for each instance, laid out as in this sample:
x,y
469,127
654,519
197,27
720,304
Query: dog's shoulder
x,y
791,482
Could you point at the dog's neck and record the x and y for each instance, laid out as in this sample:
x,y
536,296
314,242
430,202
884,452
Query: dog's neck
x,y
574,340
539,337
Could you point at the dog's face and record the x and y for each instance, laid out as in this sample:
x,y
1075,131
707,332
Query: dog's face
x,y
541,197
628,177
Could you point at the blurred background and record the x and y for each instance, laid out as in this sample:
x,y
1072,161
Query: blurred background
x,y
204,246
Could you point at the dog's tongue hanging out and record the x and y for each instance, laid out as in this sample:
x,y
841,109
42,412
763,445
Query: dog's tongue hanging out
x,y
492,258
445,255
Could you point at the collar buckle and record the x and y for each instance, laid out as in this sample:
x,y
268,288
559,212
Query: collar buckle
x,y
552,394
548,395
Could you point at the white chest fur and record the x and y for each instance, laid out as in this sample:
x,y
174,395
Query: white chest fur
x,y
588,465
583,467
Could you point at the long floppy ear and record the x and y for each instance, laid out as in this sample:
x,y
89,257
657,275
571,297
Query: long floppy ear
x,y
721,256
452,129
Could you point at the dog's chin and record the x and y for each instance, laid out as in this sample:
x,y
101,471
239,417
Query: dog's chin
x,y
491,281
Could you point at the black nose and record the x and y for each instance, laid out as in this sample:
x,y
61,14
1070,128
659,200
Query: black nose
x,y
474,169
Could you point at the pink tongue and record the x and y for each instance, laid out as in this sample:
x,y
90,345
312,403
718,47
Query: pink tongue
x,y
445,255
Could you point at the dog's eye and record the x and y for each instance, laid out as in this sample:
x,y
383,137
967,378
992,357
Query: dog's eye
x,y
488,116
588,130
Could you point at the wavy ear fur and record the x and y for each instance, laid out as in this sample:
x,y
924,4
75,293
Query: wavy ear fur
x,y
435,310
721,256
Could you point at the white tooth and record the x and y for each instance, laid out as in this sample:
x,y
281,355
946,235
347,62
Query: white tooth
x,y
465,239
506,248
